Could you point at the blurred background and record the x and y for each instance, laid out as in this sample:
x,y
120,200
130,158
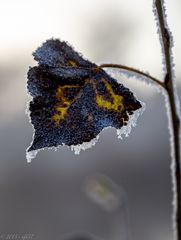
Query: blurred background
x,y
47,198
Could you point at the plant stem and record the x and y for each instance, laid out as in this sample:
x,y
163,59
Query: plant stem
x,y
133,70
169,86
177,165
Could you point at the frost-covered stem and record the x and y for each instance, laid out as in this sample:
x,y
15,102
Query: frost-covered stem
x,y
177,165
133,70
169,86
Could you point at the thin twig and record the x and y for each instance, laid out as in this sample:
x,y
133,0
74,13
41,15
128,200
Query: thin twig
x,y
133,70
166,41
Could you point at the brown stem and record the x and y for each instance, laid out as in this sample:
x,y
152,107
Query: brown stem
x,y
166,41
133,70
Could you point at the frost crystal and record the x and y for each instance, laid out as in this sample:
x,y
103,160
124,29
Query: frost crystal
x,y
84,146
126,130
146,80
31,155
171,42
170,127
73,100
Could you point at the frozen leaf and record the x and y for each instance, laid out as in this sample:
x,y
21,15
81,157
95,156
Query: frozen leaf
x,y
73,99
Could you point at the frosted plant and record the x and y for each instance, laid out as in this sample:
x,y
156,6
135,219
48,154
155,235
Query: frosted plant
x,y
73,100
168,88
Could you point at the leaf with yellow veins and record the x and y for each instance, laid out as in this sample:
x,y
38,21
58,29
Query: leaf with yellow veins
x,y
61,111
73,99
114,103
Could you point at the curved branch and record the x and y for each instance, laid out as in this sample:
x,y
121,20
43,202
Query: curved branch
x,y
133,70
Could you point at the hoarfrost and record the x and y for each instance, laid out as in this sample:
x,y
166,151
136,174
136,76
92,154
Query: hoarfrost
x,y
160,37
172,149
76,148
116,73
84,146
170,127
125,130
31,155
132,122
171,42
